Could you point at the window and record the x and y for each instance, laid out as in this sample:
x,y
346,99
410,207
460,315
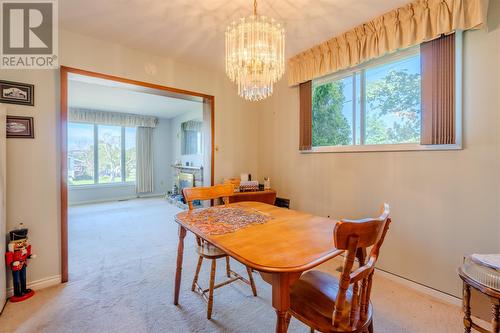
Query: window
x,y
191,141
109,154
130,153
80,154
100,154
378,104
403,101
392,107
332,112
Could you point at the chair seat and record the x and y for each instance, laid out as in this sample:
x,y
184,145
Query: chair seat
x,y
209,251
312,300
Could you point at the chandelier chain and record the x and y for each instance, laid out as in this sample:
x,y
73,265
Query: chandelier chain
x,y
255,7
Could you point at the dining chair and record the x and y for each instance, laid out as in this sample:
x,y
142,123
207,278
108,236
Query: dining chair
x,y
208,251
332,305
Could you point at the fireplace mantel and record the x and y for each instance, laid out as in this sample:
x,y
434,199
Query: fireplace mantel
x,y
196,171
186,167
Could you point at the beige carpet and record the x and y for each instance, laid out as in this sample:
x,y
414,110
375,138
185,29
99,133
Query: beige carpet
x,y
122,263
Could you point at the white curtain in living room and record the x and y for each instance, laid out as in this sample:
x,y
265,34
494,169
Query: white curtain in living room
x,y
144,151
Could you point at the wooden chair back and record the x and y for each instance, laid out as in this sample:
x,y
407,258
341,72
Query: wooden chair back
x,y
208,193
352,235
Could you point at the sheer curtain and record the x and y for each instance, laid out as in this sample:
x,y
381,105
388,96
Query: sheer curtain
x,y
144,151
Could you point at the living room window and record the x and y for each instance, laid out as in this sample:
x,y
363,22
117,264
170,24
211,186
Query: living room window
x,y
81,154
100,154
403,101
191,139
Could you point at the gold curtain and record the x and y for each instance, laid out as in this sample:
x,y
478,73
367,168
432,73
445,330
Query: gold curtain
x,y
417,22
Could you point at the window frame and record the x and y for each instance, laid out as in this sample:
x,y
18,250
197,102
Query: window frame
x,y
96,183
360,69
199,143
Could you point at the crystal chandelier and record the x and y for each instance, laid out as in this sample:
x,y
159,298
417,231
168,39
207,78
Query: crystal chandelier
x,y
255,55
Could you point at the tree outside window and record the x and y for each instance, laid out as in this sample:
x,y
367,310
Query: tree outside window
x,y
387,108
114,160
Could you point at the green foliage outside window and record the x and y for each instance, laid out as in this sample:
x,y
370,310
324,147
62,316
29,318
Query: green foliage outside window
x,y
109,158
392,110
329,126
397,95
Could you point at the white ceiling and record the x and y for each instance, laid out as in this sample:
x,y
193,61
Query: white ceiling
x,y
193,31
105,95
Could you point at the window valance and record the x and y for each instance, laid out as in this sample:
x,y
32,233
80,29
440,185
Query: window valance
x,y
111,118
419,21
192,125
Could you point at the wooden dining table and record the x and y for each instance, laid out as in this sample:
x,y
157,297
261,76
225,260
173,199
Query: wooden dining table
x,y
281,249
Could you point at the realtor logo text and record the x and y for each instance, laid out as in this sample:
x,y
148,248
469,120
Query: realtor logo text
x,y
29,38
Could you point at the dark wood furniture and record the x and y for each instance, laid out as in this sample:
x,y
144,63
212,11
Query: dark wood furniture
x,y
266,196
494,296
282,202
290,243
208,251
328,304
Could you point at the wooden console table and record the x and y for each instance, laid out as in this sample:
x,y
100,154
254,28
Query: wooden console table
x,y
266,196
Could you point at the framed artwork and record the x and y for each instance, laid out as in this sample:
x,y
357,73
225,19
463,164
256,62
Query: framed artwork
x,y
20,127
17,93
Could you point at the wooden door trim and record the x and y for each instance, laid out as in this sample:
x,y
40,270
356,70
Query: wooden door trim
x,y
170,91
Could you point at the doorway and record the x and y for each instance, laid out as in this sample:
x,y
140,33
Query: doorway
x,y
194,135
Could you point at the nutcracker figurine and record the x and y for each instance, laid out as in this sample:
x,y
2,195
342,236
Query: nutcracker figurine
x,y
18,253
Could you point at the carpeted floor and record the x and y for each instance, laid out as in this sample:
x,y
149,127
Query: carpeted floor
x,y
122,263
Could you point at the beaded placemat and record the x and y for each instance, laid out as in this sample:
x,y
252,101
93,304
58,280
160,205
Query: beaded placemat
x,y
223,220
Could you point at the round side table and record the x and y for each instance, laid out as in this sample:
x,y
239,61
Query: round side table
x,y
487,281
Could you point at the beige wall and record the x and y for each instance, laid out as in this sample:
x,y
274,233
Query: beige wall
x,y
32,173
33,165
3,213
444,203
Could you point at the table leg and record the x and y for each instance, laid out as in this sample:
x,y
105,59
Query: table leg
x,y
495,309
281,297
178,272
466,305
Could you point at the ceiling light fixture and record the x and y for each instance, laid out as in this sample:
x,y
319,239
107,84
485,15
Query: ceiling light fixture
x,y
255,55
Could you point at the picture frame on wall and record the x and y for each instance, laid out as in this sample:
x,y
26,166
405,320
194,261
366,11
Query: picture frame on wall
x,y
17,93
20,127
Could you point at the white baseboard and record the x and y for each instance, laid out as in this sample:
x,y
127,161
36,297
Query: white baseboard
x,y
442,296
87,202
39,284
151,195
